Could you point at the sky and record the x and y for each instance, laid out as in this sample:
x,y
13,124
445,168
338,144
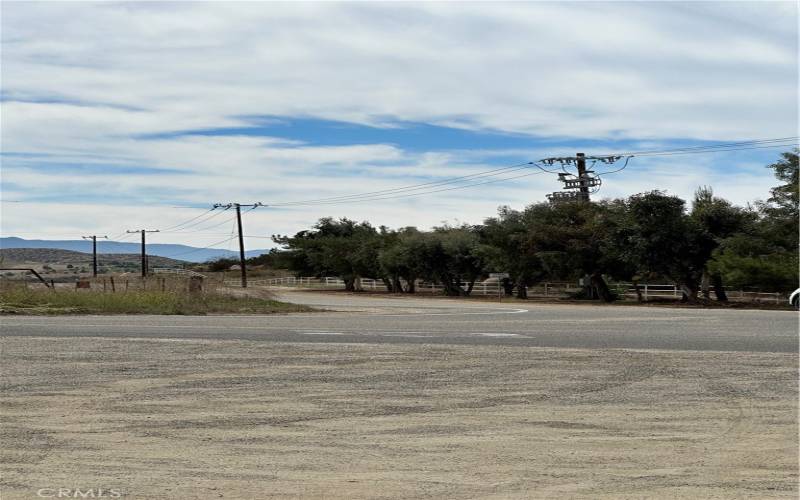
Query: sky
x,y
130,115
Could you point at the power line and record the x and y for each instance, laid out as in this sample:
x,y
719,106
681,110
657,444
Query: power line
x,y
212,213
187,221
391,195
218,224
171,256
719,150
413,187
430,192
730,146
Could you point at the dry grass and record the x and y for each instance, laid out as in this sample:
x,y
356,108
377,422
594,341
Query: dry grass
x,y
172,300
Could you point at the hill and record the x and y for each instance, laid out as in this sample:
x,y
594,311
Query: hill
x,y
17,257
181,252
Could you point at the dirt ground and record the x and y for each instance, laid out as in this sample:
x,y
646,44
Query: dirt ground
x,y
239,419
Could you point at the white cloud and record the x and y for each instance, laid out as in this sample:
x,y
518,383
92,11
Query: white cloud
x,y
107,74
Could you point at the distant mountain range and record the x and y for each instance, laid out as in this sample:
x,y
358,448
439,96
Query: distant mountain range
x,y
20,256
178,252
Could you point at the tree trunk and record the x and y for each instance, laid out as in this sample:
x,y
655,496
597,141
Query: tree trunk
x,y
522,288
599,284
412,284
689,289
349,284
390,287
704,285
508,287
469,287
450,285
719,290
638,291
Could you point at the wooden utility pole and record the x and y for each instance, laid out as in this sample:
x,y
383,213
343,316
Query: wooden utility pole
x,y
144,252
94,251
581,164
242,262
238,207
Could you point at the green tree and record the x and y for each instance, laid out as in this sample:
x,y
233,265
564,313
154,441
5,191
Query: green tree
x,y
340,247
664,240
399,259
764,253
719,220
506,248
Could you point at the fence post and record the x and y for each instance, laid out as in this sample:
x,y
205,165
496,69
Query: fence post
x,y
113,287
645,292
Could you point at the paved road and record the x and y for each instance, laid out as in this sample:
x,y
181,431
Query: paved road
x,y
366,319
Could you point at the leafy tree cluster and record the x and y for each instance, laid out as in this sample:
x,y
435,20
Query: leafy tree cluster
x,y
648,236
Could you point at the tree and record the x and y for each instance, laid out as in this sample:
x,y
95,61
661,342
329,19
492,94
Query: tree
x,y
719,220
568,240
399,259
451,257
764,252
506,248
341,248
665,241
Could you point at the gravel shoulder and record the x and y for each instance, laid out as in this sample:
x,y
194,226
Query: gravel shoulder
x,y
193,418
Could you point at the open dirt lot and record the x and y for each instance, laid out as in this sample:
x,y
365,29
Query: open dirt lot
x,y
204,418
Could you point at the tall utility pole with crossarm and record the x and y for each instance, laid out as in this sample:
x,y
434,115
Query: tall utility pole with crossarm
x,y
238,207
94,251
577,187
144,252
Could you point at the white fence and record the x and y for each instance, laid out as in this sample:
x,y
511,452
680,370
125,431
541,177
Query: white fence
x,y
493,288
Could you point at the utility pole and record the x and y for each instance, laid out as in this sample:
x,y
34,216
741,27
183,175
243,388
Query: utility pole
x,y
578,188
94,251
144,253
238,207
581,164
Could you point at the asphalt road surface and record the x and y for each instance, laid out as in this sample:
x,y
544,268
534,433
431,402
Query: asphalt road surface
x,y
369,319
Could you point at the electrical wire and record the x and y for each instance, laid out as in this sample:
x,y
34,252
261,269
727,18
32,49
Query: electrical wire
x,y
170,228
182,231
410,188
197,249
720,150
202,221
431,192
600,174
232,235
730,146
